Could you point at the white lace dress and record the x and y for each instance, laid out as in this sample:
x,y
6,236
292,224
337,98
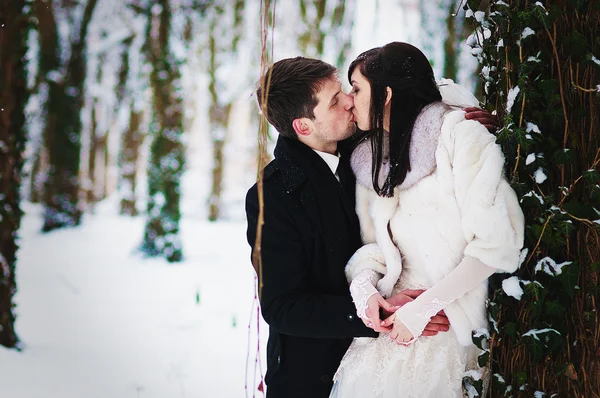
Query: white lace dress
x,y
430,367
454,217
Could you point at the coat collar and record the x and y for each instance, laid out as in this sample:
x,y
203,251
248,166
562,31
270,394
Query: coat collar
x,y
294,158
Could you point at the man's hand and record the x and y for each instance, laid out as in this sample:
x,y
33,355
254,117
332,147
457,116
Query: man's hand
x,y
439,322
374,303
484,117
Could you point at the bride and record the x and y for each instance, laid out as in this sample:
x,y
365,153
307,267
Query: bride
x,y
436,213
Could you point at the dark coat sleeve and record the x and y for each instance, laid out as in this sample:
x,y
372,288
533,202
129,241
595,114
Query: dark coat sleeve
x,y
289,303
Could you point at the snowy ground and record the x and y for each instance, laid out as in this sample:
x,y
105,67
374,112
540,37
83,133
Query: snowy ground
x,y
99,321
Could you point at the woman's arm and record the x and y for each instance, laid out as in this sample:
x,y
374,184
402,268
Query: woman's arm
x,y
492,222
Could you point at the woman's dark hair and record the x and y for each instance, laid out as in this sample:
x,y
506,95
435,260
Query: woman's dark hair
x,y
406,70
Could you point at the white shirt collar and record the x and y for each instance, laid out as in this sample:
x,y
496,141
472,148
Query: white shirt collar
x,y
332,161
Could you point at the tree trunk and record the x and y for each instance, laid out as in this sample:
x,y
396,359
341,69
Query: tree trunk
x,y
161,235
450,44
38,171
13,97
62,130
132,141
218,115
90,185
543,81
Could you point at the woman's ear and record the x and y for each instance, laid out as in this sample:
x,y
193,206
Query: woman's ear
x,y
301,127
388,96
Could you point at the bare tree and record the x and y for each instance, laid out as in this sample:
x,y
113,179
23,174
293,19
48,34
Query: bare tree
x,y
219,26
14,27
161,235
63,67
132,83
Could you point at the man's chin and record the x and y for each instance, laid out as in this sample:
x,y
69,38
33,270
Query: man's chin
x,y
351,129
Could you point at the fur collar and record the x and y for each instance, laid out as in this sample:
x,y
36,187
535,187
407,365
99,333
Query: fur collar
x,y
423,144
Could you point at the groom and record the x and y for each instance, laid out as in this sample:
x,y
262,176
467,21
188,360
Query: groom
x,y
310,231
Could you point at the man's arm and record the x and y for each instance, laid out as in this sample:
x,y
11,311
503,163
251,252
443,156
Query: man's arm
x,y
288,304
484,117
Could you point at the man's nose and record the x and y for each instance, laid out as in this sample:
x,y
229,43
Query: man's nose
x,y
349,102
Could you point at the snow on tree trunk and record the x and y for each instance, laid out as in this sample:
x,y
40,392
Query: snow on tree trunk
x,y
14,27
161,235
130,152
223,39
63,65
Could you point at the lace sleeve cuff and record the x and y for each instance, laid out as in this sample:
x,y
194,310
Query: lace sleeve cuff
x,y
465,277
362,288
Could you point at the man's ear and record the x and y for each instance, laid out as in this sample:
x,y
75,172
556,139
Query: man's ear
x,y
388,96
301,126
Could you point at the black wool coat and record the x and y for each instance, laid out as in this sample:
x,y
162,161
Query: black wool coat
x,y
310,232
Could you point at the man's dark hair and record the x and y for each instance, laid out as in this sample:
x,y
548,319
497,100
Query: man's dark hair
x,y
292,92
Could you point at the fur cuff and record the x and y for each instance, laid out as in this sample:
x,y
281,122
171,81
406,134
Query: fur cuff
x,y
368,257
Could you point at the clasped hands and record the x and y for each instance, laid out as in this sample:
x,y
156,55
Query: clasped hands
x,y
391,324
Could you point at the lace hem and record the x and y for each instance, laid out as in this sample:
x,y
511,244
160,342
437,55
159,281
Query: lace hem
x,y
431,367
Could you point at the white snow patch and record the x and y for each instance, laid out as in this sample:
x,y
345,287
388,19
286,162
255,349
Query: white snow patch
x,y
550,267
474,374
530,159
535,332
532,193
539,176
527,32
512,287
481,332
523,256
512,95
532,127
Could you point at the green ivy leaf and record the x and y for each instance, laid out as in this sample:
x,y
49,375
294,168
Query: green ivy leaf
x,y
484,359
564,156
554,308
591,176
510,329
536,347
579,209
568,278
576,43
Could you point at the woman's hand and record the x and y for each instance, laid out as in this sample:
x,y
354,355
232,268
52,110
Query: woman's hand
x,y
400,333
372,320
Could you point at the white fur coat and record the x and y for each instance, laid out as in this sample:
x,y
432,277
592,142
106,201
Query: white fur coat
x,y
453,203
